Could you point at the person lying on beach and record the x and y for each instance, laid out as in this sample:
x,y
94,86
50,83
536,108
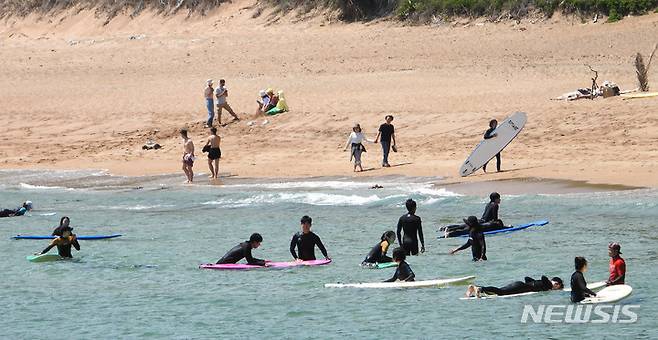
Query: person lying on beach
x,y
579,290
403,271
475,240
188,156
378,253
243,251
20,211
305,241
63,243
490,215
517,287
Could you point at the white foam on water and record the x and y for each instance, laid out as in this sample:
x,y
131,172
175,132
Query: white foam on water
x,y
27,186
312,198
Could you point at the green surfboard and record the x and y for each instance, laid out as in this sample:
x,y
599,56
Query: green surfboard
x,y
379,265
44,258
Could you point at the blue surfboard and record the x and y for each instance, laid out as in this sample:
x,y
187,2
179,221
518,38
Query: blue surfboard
x,y
48,237
510,229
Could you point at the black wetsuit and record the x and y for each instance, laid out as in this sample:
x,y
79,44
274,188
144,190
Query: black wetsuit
x,y
402,273
519,287
477,244
306,243
490,215
488,135
64,250
579,290
239,252
413,230
376,255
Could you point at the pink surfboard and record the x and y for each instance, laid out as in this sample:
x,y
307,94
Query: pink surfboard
x,y
244,266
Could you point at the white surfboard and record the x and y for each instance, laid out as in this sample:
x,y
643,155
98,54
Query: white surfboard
x,y
506,131
639,95
403,284
592,286
610,294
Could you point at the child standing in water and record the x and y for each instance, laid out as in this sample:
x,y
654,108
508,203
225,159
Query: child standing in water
x,y
403,272
188,156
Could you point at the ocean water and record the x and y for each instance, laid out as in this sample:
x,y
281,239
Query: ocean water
x,y
147,284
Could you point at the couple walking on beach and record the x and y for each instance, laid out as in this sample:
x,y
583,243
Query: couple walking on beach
x,y
217,97
211,147
385,135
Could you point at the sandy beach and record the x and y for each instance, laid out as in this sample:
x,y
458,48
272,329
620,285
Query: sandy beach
x,y
76,94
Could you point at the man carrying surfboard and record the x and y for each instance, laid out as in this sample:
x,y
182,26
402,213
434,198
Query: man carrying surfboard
x,y
475,240
617,265
493,124
243,251
305,241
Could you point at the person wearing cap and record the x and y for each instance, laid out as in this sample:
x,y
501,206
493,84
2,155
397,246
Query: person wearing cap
x,y
475,240
20,211
355,140
412,226
263,102
490,215
517,287
488,135
617,265
63,243
243,251
221,92
208,93
387,134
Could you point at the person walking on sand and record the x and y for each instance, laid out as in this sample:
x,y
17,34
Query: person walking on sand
x,y
207,93
214,152
356,140
488,135
221,92
387,134
188,156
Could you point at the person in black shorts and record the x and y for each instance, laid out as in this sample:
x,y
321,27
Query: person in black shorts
x,y
387,134
214,152
413,230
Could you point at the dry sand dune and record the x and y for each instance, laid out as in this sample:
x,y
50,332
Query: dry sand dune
x,y
77,94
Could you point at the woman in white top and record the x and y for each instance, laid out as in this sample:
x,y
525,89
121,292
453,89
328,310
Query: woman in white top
x,y
356,140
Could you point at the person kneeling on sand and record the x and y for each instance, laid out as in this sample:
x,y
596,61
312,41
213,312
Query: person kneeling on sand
x,y
267,101
518,287
188,156
214,152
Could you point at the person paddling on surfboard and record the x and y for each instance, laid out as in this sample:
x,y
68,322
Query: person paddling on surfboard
x,y
490,215
475,240
403,272
378,253
63,243
579,290
518,287
493,124
413,230
617,265
243,251
305,241
20,211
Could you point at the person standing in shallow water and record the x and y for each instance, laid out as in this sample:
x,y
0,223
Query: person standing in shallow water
x,y
188,156
413,230
208,93
386,134
302,244
493,124
617,265
214,153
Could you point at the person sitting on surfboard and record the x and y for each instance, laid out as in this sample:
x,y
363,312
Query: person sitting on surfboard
x,y
475,240
488,135
20,211
243,251
413,230
579,290
617,265
518,287
378,253
64,243
305,241
403,272
490,215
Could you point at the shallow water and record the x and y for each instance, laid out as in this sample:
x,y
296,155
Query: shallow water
x,y
147,284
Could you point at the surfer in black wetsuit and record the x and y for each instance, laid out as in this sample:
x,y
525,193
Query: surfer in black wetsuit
x,y
488,135
64,243
518,287
243,251
64,223
378,253
403,272
413,230
579,290
20,211
305,242
475,240
490,215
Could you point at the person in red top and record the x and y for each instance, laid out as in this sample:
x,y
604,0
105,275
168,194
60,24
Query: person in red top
x,y
617,265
